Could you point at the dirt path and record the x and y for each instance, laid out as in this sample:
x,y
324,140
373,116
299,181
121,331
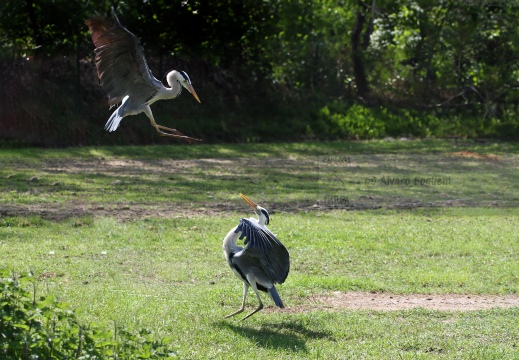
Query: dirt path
x,y
126,212
391,302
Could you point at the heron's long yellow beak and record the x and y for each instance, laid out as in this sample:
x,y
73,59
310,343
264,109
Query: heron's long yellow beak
x,y
193,92
249,201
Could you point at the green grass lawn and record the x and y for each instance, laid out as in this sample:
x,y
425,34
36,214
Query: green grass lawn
x,y
164,269
347,174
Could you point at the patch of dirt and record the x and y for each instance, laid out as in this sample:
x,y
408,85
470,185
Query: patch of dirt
x,y
392,302
126,212
123,212
471,154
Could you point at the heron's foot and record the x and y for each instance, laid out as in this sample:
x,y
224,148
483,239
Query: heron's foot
x,y
175,133
234,313
254,312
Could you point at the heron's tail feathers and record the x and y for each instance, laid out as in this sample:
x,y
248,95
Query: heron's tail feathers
x,y
275,296
113,123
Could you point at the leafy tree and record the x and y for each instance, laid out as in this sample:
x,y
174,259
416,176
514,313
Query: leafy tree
x,y
269,69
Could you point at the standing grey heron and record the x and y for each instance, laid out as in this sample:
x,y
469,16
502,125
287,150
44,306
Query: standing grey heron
x,y
126,77
262,263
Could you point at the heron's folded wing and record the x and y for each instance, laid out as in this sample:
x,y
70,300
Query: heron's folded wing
x,y
120,61
262,243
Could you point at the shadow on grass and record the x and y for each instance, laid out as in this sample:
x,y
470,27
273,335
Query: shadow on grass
x,y
266,150
289,335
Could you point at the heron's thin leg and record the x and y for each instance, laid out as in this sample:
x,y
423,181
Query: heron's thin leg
x,y
245,288
187,138
174,133
254,287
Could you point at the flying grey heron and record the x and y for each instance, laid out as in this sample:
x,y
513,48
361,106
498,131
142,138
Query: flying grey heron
x,y
126,77
262,263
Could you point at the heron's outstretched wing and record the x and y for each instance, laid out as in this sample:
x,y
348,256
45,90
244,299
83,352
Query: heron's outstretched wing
x,y
261,243
120,61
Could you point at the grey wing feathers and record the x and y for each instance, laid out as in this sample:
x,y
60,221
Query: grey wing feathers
x,y
121,66
262,243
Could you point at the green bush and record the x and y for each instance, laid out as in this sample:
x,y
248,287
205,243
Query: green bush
x,y
343,120
355,121
34,327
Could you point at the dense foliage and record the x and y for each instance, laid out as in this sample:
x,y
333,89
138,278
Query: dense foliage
x,y
33,327
270,70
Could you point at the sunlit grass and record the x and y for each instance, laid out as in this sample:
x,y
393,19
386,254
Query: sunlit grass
x,y
281,174
168,272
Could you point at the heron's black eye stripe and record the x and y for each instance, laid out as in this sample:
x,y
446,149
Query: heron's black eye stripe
x,y
183,73
266,214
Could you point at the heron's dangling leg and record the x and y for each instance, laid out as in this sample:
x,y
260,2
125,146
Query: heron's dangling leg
x,y
172,132
255,288
245,289
176,134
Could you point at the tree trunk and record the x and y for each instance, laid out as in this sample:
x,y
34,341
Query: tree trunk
x,y
36,33
359,72
78,73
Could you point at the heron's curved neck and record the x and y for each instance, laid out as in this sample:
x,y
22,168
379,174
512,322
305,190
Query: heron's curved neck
x,y
173,79
262,219
229,242
166,93
173,91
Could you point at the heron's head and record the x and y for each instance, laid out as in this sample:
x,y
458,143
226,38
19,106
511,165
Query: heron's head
x,y
262,213
183,79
